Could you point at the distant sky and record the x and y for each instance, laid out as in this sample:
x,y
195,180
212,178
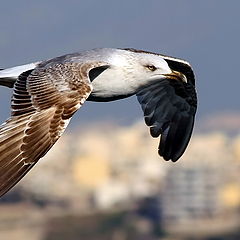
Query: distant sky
x,y
206,33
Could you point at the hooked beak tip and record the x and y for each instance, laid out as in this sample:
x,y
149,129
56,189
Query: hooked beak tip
x,y
177,76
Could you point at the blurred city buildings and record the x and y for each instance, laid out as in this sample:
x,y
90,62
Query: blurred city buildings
x,y
201,195
110,172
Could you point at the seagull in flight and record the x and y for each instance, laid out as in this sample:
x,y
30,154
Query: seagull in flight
x,y
46,94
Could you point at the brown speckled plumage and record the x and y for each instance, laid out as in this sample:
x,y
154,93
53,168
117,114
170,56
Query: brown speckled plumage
x,y
43,102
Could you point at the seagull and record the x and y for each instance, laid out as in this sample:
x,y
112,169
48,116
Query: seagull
x,y
47,93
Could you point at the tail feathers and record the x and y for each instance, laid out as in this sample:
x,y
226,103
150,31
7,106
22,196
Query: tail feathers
x,y
7,82
9,76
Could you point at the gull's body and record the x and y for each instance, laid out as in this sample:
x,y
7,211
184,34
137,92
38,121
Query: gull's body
x,y
47,93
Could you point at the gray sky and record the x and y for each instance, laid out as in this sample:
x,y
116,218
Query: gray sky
x,y
206,33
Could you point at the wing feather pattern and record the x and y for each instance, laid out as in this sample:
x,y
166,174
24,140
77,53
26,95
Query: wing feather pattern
x,y
169,108
43,102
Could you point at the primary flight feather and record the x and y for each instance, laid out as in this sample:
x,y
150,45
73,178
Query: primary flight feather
x,y
46,94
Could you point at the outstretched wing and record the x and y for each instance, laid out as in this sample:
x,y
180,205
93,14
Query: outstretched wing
x,y
43,102
169,108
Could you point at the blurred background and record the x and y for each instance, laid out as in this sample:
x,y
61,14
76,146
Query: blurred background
x,y
104,179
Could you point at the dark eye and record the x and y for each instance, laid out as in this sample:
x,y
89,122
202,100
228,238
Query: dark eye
x,y
151,67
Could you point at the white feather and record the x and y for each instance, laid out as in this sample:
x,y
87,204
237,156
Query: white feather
x,y
14,72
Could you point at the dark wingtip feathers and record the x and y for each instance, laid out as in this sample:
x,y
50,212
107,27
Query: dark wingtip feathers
x,y
175,138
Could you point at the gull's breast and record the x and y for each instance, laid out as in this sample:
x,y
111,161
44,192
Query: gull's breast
x,y
112,83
